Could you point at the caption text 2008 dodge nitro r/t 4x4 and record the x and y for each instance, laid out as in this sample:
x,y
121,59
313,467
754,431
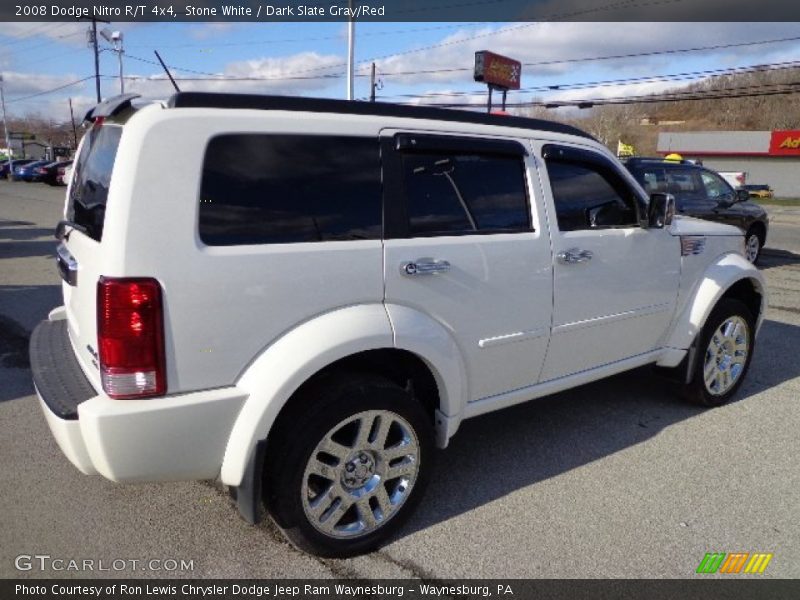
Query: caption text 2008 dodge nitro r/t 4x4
x,y
321,291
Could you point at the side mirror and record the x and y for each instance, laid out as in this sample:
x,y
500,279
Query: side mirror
x,y
742,195
727,200
661,210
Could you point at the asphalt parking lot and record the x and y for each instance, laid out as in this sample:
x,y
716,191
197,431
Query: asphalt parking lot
x,y
614,479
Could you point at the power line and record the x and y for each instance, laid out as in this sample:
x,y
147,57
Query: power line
x,y
607,57
676,77
306,39
50,91
217,76
712,94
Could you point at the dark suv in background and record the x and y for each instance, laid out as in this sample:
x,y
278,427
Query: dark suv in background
x,y
702,193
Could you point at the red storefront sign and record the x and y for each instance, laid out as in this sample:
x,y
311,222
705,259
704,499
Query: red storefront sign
x,y
498,70
785,142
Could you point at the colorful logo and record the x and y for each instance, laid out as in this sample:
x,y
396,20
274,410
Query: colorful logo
x,y
785,142
735,562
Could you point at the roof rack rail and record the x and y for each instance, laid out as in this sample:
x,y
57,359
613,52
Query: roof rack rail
x,y
660,159
325,105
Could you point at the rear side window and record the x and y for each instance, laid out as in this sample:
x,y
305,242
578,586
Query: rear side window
x,y
453,193
91,179
273,189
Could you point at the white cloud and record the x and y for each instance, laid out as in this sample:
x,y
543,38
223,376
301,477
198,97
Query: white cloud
x,y
28,35
260,75
23,84
551,42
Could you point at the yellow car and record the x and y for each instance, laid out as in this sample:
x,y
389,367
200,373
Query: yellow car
x,y
759,191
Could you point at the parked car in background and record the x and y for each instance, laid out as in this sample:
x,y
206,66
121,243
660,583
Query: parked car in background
x,y
28,172
6,170
52,174
702,193
735,179
759,190
64,174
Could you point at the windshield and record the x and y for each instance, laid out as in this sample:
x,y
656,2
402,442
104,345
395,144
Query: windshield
x,y
91,179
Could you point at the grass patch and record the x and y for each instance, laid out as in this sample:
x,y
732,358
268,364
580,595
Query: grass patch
x,y
778,201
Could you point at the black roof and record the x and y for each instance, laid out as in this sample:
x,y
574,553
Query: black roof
x,y
325,105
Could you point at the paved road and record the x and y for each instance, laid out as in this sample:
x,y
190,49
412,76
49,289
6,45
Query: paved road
x,y
614,479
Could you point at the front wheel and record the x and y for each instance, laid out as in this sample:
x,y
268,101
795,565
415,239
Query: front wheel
x,y
345,472
752,246
724,353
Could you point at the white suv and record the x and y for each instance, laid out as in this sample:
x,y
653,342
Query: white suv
x,y
303,297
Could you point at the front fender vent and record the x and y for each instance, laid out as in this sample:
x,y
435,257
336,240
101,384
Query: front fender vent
x,y
692,244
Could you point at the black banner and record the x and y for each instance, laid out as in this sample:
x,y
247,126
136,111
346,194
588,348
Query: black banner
x,y
570,589
403,10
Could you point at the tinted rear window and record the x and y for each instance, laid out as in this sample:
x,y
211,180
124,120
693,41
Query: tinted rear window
x,y
91,178
271,189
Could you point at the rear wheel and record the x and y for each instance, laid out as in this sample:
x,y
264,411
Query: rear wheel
x,y
345,473
724,353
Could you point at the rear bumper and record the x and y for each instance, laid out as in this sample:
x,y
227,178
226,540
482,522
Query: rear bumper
x,y
170,438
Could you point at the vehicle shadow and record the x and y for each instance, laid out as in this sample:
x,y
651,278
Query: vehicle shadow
x,y
21,308
771,258
502,452
19,239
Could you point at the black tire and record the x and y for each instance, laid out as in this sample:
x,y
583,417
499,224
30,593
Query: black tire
x,y
752,237
290,492
699,391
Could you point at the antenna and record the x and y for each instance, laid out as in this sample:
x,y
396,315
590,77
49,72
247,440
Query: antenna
x,y
175,85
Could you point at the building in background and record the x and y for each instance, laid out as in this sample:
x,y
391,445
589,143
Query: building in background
x,y
771,157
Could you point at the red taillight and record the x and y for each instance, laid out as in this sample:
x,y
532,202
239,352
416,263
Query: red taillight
x,y
130,333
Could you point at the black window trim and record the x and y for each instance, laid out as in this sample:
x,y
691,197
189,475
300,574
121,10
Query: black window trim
x,y
393,146
594,159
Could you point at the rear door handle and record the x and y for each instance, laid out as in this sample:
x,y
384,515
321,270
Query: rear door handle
x,y
574,256
424,267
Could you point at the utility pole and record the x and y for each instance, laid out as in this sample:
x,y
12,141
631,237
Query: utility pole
x,y
74,131
5,126
351,42
96,59
93,42
372,84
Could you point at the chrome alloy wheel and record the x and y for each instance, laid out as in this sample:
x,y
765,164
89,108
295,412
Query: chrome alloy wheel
x,y
360,474
726,355
751,247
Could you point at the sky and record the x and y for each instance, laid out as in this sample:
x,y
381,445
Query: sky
x,y
415,62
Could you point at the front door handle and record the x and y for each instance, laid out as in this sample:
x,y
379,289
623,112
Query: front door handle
x,y
574,256
424,267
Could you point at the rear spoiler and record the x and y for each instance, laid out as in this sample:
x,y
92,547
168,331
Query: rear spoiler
x,y
110,107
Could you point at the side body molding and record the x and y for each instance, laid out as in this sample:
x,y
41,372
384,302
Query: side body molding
x,y
717,279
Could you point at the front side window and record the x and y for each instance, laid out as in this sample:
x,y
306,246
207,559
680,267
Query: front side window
x,y
451,193
715,187
589,196
272,189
